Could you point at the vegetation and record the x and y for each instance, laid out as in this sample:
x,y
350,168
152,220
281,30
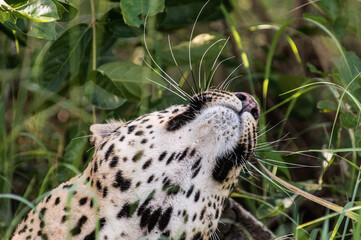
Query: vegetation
x,y
67,64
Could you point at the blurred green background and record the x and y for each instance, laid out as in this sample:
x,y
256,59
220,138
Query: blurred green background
x,y
65,65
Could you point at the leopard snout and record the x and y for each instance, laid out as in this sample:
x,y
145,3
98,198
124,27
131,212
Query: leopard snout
x,y
249,104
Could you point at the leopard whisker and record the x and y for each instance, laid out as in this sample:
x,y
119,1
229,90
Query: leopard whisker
x,y
214,64
253,184
230,81
244,163
190,44
215,60
292,153
215,70
285,190
269,144
176,63
267,130
201,62
191,36
167,88
180,91
220,87
291,165
170,79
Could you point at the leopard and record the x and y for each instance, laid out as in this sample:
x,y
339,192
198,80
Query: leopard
x,y
163,175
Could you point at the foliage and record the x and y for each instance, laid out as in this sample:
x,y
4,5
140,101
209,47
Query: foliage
x,y
67,64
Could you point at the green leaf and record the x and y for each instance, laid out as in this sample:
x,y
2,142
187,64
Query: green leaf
x,y
354,62
313,69
102,92
340,26
43,30
39,10
12,21
16,21
114,24
64,56
129,77
327,105
348,120
279,204
135,11
66,10
332,7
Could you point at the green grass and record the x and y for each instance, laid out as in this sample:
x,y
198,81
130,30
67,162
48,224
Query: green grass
x,y
302,65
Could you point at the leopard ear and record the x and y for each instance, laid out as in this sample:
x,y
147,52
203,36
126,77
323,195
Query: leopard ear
x,y
100,131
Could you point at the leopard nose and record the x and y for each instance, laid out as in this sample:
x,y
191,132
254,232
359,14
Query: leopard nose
x,y
249,104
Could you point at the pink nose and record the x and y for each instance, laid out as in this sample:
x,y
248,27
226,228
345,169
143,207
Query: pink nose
x,y
249,104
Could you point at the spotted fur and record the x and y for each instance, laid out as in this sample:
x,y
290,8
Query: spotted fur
x,y
166,173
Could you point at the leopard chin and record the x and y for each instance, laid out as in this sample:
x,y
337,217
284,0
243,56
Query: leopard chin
x,y
164,174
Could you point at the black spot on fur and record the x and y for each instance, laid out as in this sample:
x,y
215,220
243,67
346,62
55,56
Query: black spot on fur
x,y
222,168
99,185
131,129
114,162
170,159
196,164
121,182
90,236
195,105
23,229
164,219
239,151
197,236
109,151
102,146
196,196
102,222
145,218
77,229
57,201
183,155
192,152
42,211
153,219
105,192
125,211
67,186
95,166
195,173
189,192
48,198
217,214
147,164
162,156
83,201
150,179
202,213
